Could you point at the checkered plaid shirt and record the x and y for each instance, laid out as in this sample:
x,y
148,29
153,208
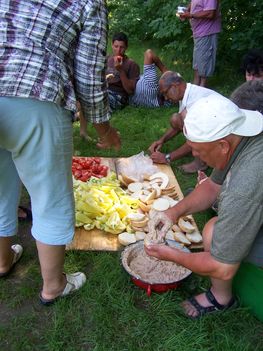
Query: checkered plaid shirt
x,y
55,50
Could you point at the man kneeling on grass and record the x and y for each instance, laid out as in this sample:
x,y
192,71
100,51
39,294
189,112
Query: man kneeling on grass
x,y
229,140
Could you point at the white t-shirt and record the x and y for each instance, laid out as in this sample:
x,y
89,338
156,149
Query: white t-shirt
x,y
192,94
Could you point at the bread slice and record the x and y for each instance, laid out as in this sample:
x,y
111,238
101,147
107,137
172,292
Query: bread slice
x,y
139,224
143,206
186,226
181,238
169,235
161,204
135,187
126,238
136,216
128,179
139,235
194,237
160,175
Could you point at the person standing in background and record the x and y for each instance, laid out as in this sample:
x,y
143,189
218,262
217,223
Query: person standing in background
x,y
52,54
205,19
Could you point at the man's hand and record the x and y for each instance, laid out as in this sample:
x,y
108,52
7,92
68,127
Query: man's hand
x,y
156,146
185,15
159,222
157,250
118,61
158,157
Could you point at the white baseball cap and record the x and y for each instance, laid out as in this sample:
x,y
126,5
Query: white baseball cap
x,y
214,117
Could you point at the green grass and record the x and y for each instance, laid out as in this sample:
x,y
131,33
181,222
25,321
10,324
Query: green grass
x,y
110,313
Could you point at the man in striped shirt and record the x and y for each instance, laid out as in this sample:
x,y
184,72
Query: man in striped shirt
x,y
52,53
147,92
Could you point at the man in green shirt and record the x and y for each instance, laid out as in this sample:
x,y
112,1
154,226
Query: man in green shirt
x,y
229,140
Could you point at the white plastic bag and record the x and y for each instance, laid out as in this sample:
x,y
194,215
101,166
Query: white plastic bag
x,y
137,166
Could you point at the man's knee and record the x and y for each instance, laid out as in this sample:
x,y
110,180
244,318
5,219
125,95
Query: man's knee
x,y
148,57
175,121
208,233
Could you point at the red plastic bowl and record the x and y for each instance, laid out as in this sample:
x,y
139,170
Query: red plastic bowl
x,y
158,288
153,287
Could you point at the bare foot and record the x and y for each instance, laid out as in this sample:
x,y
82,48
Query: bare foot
x,y
85,137
194,166
105,146
111,140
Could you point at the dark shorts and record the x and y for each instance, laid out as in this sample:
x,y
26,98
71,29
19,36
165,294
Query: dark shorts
x,y
116,101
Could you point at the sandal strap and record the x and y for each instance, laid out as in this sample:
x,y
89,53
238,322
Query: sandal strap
x,y
201,309
211,298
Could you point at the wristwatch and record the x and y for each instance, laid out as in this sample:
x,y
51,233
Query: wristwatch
x,y
168,158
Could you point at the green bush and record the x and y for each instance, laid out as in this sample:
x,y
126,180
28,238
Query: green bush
x,y
156,20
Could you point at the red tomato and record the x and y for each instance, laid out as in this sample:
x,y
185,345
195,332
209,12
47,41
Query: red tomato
x,y
85,167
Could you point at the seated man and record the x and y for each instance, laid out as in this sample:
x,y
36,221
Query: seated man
x,y
249,96
229,140
252,64
147,92
122,73
175,89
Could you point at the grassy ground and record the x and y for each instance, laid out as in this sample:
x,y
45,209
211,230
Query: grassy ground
x,y
110,313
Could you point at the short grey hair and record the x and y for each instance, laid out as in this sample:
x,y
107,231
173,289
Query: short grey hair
x,y
249,95
170,77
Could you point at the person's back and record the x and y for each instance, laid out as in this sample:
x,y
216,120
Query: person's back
x,y
41,54
51,52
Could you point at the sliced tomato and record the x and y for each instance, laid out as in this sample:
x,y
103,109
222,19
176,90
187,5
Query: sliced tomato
x,y
104,171
85,167
97,160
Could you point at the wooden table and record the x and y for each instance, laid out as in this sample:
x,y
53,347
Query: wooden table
x,y
96,239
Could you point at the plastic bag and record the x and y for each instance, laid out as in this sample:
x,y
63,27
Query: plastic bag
x,y
137,166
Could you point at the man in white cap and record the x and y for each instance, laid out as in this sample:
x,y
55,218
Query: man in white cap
x,y
230,140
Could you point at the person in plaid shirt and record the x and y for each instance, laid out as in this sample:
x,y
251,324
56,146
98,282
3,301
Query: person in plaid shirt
x,y
52,54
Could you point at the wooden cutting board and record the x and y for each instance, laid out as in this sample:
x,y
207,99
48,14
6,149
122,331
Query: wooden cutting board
x,y
99,240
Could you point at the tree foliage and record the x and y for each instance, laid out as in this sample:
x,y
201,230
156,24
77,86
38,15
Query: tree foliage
x,y
155,19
